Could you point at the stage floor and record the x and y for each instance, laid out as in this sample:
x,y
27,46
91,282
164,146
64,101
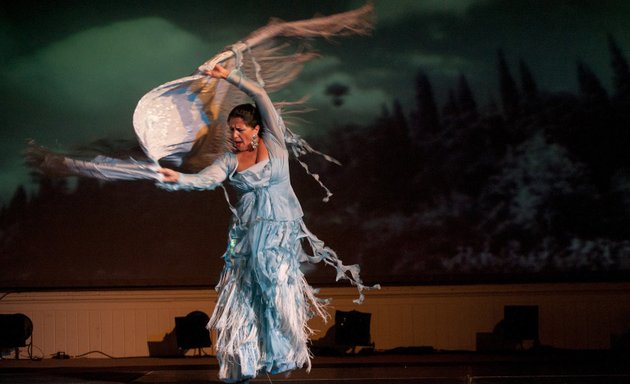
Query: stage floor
x,y
567,367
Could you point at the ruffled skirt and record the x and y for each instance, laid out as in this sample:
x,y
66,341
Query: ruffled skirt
x,y
264,300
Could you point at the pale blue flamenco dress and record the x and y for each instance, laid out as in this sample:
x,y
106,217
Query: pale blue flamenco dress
x,y
264,300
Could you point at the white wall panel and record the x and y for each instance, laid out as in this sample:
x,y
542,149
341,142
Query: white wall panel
x,y
124,323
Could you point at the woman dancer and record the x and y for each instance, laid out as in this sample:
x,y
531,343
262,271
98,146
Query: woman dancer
x,y
264,300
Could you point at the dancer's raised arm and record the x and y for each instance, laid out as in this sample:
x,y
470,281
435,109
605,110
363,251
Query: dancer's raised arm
x,y
271,120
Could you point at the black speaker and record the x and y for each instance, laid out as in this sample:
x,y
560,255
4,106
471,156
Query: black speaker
x,y
352,328
520,322
191,331
15,329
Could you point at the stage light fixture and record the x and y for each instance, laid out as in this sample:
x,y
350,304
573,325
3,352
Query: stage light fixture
x,y
191,331
15,330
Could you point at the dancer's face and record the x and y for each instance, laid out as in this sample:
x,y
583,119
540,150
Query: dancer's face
x,y
241,134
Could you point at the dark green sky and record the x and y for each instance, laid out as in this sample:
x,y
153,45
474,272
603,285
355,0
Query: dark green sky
x,y
73,71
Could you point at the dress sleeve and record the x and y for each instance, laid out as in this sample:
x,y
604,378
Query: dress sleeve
x,y
207,179
274,126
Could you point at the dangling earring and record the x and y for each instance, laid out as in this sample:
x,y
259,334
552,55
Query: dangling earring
x,y
254,142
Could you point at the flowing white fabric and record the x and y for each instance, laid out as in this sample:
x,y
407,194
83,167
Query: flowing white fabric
x,y
182,123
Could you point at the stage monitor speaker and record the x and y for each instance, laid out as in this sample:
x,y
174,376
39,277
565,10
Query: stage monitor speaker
x,y
352,328
520,322
15,329
191,331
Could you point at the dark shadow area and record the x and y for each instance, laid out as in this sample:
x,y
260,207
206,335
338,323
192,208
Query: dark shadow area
x,y
167,347
190,333
350,331
517,331
537,367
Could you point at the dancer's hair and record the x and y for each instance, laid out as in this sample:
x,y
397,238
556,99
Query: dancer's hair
x,y
249,113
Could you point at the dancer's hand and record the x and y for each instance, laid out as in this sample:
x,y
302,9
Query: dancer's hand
x,y
218,72
168,175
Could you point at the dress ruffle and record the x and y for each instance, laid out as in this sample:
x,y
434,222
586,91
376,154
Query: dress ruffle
x,y
264,301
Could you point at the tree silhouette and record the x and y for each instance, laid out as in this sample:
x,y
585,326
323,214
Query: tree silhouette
x,y
509,92
425,120
399,121
450,109
621,71
467,104
16,208
528,84
590,86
